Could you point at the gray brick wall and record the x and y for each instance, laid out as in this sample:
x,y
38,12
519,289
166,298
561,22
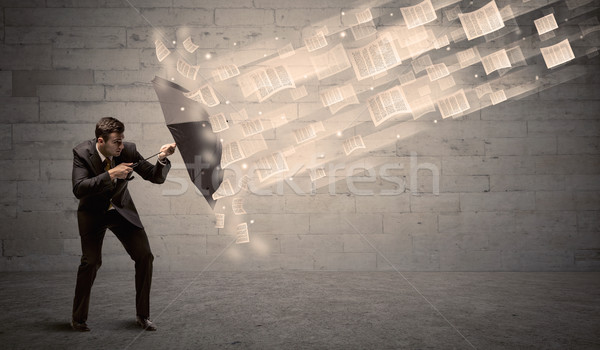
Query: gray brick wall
x,y
519,182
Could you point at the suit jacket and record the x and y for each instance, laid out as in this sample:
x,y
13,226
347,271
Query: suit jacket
x,y
95,190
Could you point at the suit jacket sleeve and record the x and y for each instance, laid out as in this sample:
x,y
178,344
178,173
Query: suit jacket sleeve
x,y
156,173
85,182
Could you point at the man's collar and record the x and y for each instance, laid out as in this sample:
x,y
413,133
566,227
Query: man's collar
x,y
102,157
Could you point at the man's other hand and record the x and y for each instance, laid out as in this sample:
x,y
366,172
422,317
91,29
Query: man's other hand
x,y
166,150
120,171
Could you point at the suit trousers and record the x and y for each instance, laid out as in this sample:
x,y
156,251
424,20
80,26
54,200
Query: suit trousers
x,y
135,242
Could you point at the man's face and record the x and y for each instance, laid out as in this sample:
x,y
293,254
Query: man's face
x,y
113,146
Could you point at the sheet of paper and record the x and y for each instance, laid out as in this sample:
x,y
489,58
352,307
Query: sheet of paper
x,y
205,94
375,57
219,220
453,104
421,106
271,165
545,24
286,51
315,42
161,50
298,93
468,57
557,54
352,144
186,69
418,14
226,71
387,104
446,83
495,61
364,16
241,234
317,173
331,62
189,46
452,13
363,30
218,122
437,71
224,190
483,90
497,97
482,21
237,205
407,78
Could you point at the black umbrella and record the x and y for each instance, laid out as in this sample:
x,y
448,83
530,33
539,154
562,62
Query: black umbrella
x,y
200,148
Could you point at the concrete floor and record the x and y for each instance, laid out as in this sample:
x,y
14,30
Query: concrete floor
x,y
310,310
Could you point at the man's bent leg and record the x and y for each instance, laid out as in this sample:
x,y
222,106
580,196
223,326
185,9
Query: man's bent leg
x,y
91,259
135,241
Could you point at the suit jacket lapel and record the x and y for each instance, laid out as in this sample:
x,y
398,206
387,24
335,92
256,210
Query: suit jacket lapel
x,y
95,159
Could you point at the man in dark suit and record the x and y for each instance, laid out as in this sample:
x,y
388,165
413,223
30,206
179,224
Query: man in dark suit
x,y
101,170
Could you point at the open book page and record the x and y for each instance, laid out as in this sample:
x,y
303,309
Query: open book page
x,y
238,117
375,58
348,98
219,220
224,190
437,71
421,63
315,42
238,150
186,69
440,42
271,165
458,34
161,50
298,93
218,122
516,57
317,173
481,22
483,90
557,54
237,205
308,132
452,13
331,62
232,152
446,83
226,71
253,127
286,51
453,104
267,81
498,97
421,106
352,144
241,234
468,57
495,61
363,30
545,24
387,104
364,16
419,14
205,94
407,78
189,46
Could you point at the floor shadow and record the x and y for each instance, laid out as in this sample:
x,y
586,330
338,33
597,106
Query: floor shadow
x,y
58,327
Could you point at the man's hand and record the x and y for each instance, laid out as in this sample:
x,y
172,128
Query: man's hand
x,y
166,150
120,171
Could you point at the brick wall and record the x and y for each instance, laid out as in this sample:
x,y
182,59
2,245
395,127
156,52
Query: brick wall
x,y
519,182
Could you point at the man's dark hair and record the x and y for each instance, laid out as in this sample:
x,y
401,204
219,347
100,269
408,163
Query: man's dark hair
x,y
107,126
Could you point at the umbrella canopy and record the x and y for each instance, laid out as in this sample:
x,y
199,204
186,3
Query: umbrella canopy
x,y
200,148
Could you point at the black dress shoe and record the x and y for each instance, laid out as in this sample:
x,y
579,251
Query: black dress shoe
x,y
79,326
145,323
